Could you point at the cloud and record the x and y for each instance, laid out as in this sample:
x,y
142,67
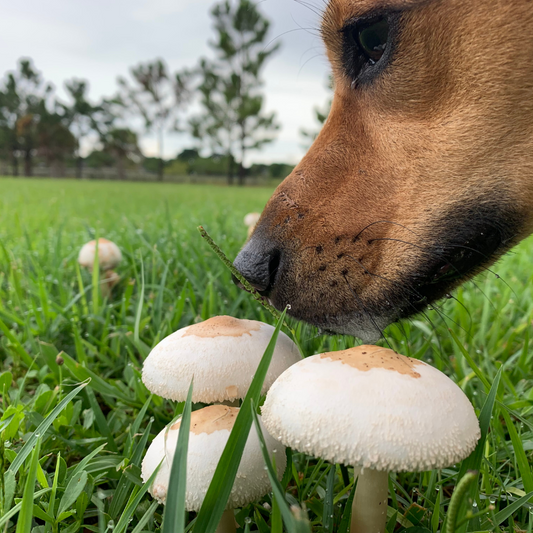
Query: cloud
x,y
150,10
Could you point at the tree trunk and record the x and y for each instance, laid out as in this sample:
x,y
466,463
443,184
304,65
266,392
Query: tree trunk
x,y
161,169
242,171
79,167
28,167
15,169
242,174
230,168
120,168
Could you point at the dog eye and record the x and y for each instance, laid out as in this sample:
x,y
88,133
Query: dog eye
x,y
372,39
366,41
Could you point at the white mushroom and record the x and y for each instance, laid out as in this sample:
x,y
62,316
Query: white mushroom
x,y
372,408
222,354
250,221
209,433
109,256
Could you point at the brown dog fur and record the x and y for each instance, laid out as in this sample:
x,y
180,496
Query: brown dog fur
x,y
409,170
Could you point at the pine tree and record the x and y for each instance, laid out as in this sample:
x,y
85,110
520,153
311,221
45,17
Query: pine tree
x,y
233,118
157,96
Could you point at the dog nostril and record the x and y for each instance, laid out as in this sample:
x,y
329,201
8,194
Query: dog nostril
x,y
259,267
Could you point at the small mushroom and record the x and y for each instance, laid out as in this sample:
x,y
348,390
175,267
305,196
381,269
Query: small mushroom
x,y
250,221
109,256
374,409
209,433
222,354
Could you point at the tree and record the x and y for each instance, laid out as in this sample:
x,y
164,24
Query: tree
x,y
157,97
122,144
81,115
233,118
22,96
55,142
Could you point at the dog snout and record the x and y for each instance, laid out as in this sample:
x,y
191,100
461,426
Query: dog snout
x,y
258,263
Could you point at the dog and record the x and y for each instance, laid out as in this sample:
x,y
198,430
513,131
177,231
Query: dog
x,y
422,175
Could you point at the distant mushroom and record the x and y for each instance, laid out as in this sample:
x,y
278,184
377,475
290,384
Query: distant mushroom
x,y
209,433
109,256
375,409
250,221
222,353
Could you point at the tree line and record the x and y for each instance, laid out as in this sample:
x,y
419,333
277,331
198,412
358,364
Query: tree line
x,y
36,125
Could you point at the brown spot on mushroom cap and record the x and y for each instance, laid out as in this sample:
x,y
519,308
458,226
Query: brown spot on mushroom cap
x,y
366,357
232,391
223,326
210,419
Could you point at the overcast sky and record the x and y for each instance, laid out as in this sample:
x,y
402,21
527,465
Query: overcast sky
x,y
100,39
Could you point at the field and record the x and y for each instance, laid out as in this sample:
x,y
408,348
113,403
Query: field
x,y
79,456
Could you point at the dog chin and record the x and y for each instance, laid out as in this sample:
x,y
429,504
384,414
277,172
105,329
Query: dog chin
x,y
368,329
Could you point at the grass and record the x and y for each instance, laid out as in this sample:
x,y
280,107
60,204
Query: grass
x,y
82,442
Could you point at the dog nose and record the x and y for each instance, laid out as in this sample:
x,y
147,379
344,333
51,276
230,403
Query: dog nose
x,y
259,265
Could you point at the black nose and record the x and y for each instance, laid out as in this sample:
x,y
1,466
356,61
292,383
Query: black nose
x,y
259,264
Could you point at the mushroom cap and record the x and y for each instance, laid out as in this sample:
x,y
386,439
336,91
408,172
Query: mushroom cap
x,y
251,219
222,354
371,407
109,255
210,430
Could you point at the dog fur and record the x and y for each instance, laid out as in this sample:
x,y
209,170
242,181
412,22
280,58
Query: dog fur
x,y
421,176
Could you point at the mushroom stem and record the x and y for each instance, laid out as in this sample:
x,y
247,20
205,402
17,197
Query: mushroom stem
x,y
369,510
109,279
227,522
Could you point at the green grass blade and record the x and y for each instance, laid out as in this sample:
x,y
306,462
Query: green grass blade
x,y
41,430
347,514
174,516
473,461
292,524
146,518
73,490
83,463
124,485
504,514
521,458
140,303
100,419
470,360
98,384
16,508
24,355
82,290
96,279
25,517
55,482
220,488
133,503
327,513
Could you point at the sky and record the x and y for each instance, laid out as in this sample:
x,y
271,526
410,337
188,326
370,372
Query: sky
x,y
99,40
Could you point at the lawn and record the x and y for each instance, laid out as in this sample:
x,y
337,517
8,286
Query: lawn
x,y
86,454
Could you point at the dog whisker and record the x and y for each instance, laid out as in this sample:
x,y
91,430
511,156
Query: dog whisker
x,y
439,256
441,314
